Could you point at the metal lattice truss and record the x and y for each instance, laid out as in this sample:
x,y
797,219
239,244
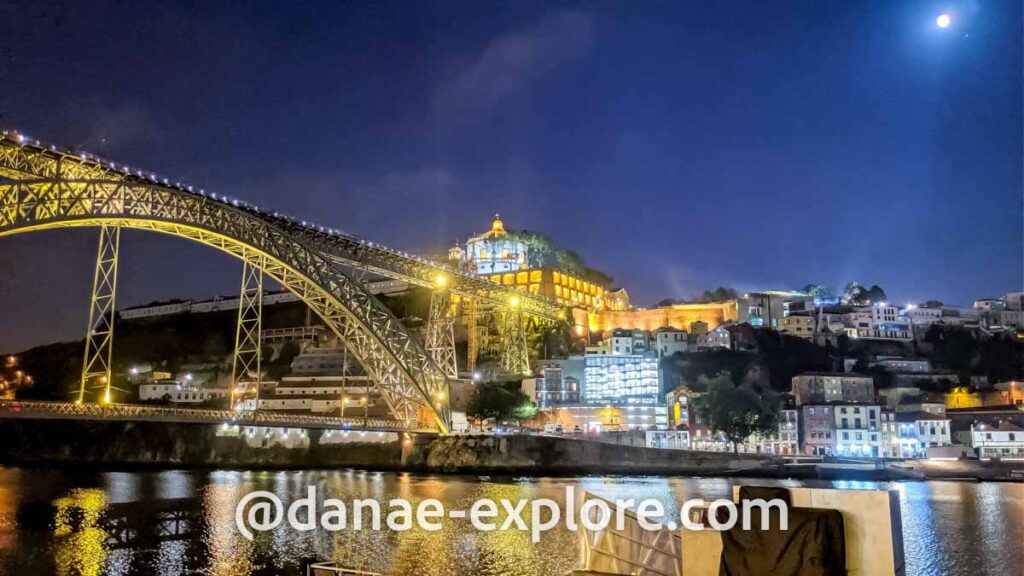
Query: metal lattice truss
x,y
20,158
472,335
99,336
440,334
43,190
245,365
515,358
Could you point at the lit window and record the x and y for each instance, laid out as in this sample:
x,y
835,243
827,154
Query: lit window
x,y
522,278
509,279
535,275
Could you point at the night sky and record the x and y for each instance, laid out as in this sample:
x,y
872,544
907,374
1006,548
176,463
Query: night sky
x,y
677,146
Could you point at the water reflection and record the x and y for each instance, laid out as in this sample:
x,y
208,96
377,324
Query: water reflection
x,y
182,523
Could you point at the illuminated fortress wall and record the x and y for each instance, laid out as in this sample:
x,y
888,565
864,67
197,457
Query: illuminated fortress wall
x,y
679,316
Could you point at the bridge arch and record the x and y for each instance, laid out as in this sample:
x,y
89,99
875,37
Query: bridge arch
x,y
405,375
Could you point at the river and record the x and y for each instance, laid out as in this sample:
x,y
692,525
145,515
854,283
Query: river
x,y
74,522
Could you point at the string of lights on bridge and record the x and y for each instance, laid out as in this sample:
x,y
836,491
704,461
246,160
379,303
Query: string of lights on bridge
x,y
151,177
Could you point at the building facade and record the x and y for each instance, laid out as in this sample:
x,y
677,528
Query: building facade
x,y
1003,440
670,341
877,322
817,430
622,379
825,387
858,430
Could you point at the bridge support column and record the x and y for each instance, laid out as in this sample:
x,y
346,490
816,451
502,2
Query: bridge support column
x,y
99,337
472,334
515,358
246,363
440,337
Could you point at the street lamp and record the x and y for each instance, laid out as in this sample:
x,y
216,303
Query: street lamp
x,y
943,20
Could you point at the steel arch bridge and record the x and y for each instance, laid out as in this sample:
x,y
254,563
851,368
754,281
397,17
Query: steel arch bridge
x,y
44,188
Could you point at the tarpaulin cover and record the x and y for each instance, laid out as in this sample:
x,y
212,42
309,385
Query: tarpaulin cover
x,y
813,545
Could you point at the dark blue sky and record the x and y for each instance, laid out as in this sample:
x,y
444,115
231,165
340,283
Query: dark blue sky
x,y
677,146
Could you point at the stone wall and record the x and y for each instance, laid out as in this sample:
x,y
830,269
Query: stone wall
x,y
198,445
554,455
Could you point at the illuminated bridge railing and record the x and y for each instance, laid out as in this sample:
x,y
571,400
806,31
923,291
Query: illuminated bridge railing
x,y
23,158
134,412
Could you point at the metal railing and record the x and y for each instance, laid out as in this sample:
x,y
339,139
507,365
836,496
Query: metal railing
x,y
71,410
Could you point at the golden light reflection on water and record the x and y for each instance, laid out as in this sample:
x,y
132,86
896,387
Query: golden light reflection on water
x,y
937,518
227,552
80,542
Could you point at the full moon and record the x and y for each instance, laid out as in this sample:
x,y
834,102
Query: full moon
x,y
943,21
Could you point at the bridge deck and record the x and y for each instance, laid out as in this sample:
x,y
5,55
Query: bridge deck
x,y
133,412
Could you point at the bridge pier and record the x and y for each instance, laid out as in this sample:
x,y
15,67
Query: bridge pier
x,y
515,357
246,362
440,336
99,336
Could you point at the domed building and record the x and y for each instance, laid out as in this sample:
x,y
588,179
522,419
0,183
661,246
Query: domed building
x,y
503,258
492,252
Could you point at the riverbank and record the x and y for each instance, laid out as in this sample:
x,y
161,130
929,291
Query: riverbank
x,y
179,445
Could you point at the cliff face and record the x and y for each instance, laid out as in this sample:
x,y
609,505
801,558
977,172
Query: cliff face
x,y
198,445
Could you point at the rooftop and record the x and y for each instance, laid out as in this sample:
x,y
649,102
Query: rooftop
x,y
835,374
918,416
1002,427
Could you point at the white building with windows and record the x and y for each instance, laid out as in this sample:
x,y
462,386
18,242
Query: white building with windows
x,y
669,341
622,342
801,326
492,252
1004,440
878,322
858,430
620,379
325,361
179,392
719,338
788,441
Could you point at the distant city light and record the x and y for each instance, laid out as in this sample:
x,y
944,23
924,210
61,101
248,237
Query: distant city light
x,y
943,21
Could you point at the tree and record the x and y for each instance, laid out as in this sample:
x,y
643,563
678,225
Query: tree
x,y
524,412
538,246
498,400
667,302
857,295
737,412
570,262
817,291
719,294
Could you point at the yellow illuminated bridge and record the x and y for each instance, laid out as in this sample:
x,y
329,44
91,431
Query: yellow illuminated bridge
x,y
43,187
